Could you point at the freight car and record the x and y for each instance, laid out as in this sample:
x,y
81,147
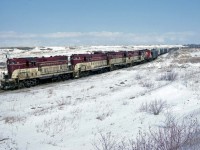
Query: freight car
x,y
31,71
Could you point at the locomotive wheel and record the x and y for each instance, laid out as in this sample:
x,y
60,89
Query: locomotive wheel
x,y
101,71
27,84
65,77
59,78
86,73
37,81
54,79
112,68
20,85
33,82
12,86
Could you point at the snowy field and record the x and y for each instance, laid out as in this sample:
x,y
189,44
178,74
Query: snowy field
x,y
69,115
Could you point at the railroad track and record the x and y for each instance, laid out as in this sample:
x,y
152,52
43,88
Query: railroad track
x,y
42,85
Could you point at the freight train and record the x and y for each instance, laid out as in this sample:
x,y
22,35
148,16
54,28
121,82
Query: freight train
x,y
31,71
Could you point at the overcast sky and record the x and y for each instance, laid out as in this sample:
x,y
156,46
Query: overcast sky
x,y
98,22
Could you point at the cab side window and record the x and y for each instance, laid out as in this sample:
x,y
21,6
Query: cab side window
x,y
27,63
33,63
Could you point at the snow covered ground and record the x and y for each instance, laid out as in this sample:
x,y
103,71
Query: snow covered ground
x,y
69,115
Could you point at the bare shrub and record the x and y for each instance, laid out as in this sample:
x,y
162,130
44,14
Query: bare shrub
x,y
41,111
50,93
63,102
174,135
125,103
142,142
157,106
53,126
108,141
75,113
91,87
138,77
154,107
105,142
8,144
144,107
104,115
147,84
14,119
168,76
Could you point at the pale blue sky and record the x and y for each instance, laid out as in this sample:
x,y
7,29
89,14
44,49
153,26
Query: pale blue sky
x,y
95,22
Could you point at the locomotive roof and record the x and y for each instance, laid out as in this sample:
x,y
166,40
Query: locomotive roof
x,y
39,58
88,55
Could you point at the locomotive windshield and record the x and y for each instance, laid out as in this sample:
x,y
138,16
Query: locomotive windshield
x,y
10,62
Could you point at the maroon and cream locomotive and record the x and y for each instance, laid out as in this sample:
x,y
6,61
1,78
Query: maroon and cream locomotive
x,y
27,72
